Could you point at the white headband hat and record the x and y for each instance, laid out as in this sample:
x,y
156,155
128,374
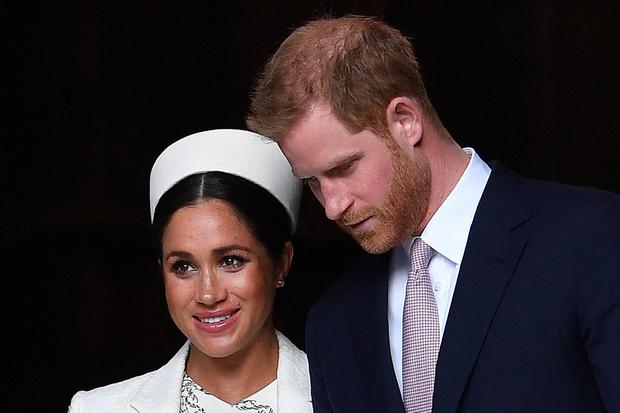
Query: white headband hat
x,y
237,152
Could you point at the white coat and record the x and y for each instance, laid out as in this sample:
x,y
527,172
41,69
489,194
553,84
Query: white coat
x,y
160,390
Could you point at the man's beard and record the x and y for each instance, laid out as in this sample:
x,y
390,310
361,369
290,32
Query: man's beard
x,y
402,213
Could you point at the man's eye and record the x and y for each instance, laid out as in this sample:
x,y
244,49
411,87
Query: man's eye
x,y
347,166
311,181
232,262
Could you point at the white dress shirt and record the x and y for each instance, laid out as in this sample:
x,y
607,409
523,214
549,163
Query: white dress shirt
x,y
446,233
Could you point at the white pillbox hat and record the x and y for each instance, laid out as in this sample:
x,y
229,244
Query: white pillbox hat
x,y
237,152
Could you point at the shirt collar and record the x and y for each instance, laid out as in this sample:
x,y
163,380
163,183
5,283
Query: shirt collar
x,y
448,229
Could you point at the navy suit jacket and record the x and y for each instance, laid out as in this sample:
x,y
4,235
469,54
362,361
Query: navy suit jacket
x,y
534,324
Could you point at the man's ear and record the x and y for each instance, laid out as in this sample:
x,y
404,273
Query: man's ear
x,y
405,121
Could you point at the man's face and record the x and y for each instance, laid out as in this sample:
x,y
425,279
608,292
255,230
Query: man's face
x,y
375,190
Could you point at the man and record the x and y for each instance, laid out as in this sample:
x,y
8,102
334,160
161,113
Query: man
x,y
519,307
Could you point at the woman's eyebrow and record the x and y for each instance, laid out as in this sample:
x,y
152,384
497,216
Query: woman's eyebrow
x,y
179,254
227,248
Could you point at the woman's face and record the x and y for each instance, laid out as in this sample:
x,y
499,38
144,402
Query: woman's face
x,y
220,281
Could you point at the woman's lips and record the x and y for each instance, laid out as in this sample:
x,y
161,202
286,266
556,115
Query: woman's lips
x,y
216,321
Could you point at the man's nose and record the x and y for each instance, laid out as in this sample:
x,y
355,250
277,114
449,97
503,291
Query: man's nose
x,y
336,199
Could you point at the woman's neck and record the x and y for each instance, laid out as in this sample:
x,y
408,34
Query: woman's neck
x,y
239,375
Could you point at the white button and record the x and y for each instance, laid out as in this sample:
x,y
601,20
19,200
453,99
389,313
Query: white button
x,y
438,286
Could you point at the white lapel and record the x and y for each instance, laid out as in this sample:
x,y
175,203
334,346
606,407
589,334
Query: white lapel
x,y
293,378
162,391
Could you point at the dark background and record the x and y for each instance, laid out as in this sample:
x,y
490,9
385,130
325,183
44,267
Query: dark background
x,y
97,90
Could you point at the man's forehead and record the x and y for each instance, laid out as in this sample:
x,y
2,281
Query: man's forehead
x,y
320,142
306,159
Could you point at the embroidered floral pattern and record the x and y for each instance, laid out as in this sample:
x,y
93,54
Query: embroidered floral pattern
x,y
194,398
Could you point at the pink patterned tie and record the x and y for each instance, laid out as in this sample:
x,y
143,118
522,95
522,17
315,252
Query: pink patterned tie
x,y
420,333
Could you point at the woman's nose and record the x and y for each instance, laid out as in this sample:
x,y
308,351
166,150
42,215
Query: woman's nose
x,y
210,290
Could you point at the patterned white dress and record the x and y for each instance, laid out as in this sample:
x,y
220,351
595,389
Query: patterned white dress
x,y
195,399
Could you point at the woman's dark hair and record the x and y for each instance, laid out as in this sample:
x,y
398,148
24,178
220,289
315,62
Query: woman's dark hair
x,y
265,216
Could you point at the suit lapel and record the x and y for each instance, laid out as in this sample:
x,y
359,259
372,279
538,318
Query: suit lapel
x,y
493,250
371,354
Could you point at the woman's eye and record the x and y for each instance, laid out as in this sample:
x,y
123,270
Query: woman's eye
x,y
232,262
183,268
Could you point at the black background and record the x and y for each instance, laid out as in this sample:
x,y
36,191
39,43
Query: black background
x,y
97,90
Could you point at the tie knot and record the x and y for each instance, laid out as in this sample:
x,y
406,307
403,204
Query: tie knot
x,y
421,254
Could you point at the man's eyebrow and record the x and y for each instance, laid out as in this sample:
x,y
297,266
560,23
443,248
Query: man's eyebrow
x,y
333,166
337,165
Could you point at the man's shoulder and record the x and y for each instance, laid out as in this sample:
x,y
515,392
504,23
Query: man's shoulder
x,y
544,195
572,202
551,191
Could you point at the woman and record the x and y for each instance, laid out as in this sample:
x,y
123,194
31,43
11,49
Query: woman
x,y
223,207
